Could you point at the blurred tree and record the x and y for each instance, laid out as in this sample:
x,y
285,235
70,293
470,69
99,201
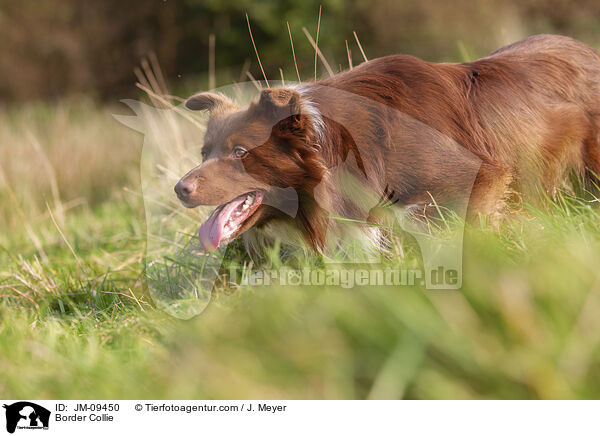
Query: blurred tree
x,y
55,48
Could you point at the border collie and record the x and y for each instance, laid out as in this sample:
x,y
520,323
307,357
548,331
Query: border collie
x,y
409,132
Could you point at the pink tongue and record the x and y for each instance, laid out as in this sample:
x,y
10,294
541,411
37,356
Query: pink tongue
x,y
211,231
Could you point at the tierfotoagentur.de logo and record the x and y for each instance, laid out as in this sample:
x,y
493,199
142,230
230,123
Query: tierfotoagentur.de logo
x,y
24,415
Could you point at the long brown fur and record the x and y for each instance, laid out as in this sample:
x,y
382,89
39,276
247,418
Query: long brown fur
x,y
520,119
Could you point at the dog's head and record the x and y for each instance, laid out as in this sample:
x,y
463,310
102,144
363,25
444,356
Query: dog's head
x,y
248,156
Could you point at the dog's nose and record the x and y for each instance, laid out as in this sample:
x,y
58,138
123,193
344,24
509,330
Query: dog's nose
x,y
183,189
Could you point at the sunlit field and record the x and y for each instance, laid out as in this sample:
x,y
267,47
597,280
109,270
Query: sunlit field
x,y
76,317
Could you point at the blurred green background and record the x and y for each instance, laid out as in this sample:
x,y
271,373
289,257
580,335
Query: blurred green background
x,y
76,320
55,48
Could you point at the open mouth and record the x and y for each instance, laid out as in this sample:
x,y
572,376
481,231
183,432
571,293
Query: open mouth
x,y
227,221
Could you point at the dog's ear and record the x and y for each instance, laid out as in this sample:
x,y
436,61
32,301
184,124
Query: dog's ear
x,y
209,101
281,104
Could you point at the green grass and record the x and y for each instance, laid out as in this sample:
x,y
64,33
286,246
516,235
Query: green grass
x,y
79,323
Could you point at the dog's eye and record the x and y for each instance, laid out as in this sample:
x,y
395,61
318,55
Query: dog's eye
x,y
239,152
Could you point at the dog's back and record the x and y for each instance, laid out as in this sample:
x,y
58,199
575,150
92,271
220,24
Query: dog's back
x,y
530,111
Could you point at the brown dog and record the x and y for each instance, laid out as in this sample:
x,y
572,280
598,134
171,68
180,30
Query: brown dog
x,y
521,118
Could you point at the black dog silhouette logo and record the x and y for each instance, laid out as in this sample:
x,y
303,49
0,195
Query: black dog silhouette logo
x,y
26,415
